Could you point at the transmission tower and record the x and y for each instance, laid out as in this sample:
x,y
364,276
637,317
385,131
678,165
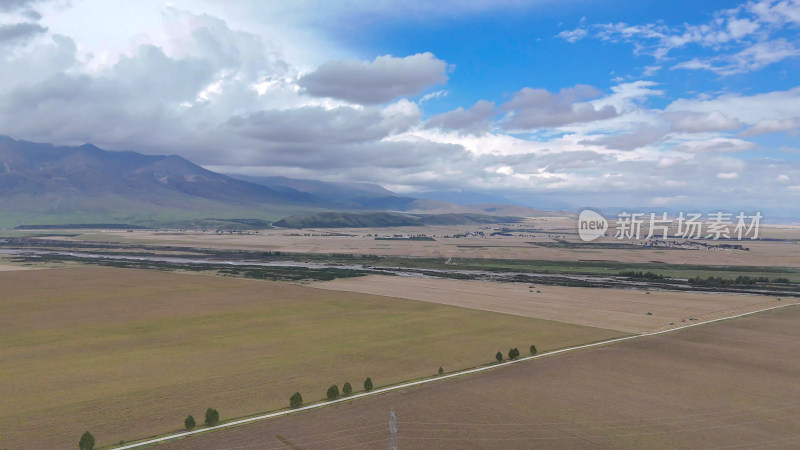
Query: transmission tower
x,y
392,431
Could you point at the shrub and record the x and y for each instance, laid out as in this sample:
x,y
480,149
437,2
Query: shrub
x,y
212,417
533,350
296,400
441,371
368,384
499,357
333,392
86,442
346,388
189,423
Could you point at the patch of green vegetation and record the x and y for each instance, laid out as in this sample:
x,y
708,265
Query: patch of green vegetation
x,y
384,219
744,281
409,238
641,275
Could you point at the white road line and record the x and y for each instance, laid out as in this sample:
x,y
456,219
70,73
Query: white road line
x,y
430,380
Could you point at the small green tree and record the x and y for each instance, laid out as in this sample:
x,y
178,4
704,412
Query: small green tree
x,y
368,384
499,357
346,388
296,400
333,392
212,417
533,350
441,371
189,423
86,442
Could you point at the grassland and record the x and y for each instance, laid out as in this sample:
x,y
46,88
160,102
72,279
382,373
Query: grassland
x,y
730,384
129,353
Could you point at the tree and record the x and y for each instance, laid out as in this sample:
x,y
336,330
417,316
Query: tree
x,y
86,442
346,388
189,423
296,400
499,357
368,384
533,350
441,371
212,417
333,392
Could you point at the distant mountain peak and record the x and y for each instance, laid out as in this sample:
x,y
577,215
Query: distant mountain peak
x,y
46,184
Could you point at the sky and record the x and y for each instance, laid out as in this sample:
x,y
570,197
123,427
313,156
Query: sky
x,y
679,105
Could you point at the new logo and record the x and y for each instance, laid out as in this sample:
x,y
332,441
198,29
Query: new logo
x,y
591,225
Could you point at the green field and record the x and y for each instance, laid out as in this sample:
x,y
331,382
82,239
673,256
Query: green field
x,y
129,353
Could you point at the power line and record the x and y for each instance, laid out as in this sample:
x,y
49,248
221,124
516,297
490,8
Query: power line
x,y
392,431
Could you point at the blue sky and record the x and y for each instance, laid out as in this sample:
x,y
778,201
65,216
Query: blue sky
x,y
498,52
581,103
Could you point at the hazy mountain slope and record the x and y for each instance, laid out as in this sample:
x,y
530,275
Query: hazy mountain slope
x,y
321,189
41,183
350,195
466,198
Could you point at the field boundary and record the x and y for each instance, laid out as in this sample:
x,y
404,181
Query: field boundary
x,y
430,380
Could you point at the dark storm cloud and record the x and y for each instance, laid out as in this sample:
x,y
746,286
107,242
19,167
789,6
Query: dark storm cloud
x,y
20,31
539,108
318,125
13,5
644,135
475,120
380,81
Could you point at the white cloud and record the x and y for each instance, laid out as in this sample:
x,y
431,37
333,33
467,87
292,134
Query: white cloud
x,y
773,126
776,12
752,58
743,37
433,96
573,36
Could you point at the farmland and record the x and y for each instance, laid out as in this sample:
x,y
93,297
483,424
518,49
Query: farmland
x,y
129,353
126,333
722,385
618,309
537,239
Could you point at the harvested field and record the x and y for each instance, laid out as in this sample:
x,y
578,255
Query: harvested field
x,y
730,384
130,353
9,268
616,309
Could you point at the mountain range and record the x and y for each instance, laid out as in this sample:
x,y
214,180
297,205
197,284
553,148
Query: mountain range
x,y
44,184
